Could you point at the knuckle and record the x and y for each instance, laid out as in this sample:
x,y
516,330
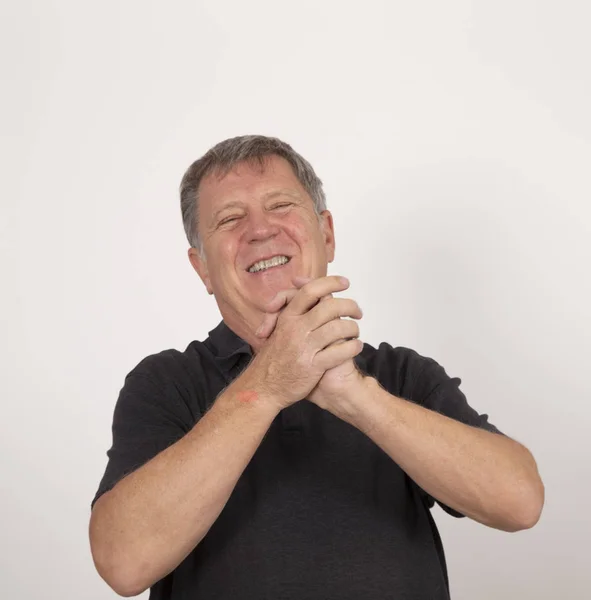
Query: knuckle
x,y
336,327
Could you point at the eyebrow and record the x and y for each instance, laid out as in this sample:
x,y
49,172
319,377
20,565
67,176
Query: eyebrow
x,y
276,193
225,207
267,196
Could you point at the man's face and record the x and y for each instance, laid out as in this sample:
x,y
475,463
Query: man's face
x,y
249,216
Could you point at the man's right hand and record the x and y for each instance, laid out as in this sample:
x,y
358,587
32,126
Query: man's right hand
x,y
301,347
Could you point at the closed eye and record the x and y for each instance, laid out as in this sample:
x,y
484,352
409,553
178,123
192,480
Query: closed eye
x,y
228,220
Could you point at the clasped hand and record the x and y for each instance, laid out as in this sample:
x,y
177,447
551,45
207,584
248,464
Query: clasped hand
x,y
307,322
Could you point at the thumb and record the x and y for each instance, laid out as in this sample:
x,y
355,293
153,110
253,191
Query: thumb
x,y
300,281
280,300
267,326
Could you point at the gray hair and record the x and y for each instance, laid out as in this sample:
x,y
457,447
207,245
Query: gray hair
x,y
224,156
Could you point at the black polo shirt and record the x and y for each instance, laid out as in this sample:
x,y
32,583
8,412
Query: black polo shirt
x,y
320,512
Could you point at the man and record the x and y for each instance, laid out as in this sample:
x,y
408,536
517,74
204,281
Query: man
x,y
282,457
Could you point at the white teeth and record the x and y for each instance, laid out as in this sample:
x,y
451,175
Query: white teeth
x,y
266,264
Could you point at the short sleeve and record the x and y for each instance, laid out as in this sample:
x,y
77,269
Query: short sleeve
x,y
435,390
150,415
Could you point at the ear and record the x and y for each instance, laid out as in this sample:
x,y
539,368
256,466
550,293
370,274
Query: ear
x,y
200,265
328,232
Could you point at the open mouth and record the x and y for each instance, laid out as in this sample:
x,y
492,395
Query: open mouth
x,y
274,262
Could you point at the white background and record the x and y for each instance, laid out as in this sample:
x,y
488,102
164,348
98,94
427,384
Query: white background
x,y
454,141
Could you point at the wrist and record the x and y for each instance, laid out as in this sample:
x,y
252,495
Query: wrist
x,y
254,387
359,398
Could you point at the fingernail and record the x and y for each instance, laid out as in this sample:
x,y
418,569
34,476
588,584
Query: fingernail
x,y
344,280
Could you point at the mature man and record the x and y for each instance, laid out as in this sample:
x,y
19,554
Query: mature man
x,y
282,457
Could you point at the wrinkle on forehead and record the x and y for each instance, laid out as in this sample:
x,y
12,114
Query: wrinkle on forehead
x,y
236,192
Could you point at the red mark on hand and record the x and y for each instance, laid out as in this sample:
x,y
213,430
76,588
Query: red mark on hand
x,y
247,396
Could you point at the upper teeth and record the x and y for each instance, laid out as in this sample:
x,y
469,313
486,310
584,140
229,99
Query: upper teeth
x,y
266,264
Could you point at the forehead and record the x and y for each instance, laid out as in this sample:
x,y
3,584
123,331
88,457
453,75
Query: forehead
x,y
247,182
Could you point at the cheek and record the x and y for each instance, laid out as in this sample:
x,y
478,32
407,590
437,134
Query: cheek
x,y
222,258
300,231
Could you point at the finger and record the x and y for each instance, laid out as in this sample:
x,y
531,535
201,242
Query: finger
x,y
272,310
336,331
280,300
267,326
333,308
300,281
284,296
337,354
313,291
324,299
270,319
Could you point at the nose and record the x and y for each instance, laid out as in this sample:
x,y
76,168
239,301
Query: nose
x,y
260,226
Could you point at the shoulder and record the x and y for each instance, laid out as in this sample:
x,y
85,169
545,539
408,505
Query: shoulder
x,y
171,379
420,379
169,365
402,371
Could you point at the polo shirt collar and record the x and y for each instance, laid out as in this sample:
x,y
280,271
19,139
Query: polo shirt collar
x,y
228,346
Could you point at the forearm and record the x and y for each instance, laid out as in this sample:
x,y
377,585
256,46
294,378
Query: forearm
x,y
485,476
152,519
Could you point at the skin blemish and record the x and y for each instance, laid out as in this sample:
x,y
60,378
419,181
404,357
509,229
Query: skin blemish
x,y
247,396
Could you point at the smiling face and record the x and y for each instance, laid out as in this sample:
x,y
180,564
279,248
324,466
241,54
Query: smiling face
x,y
252,215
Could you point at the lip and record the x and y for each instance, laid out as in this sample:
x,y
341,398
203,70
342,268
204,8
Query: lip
x,y
267,257
270,272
